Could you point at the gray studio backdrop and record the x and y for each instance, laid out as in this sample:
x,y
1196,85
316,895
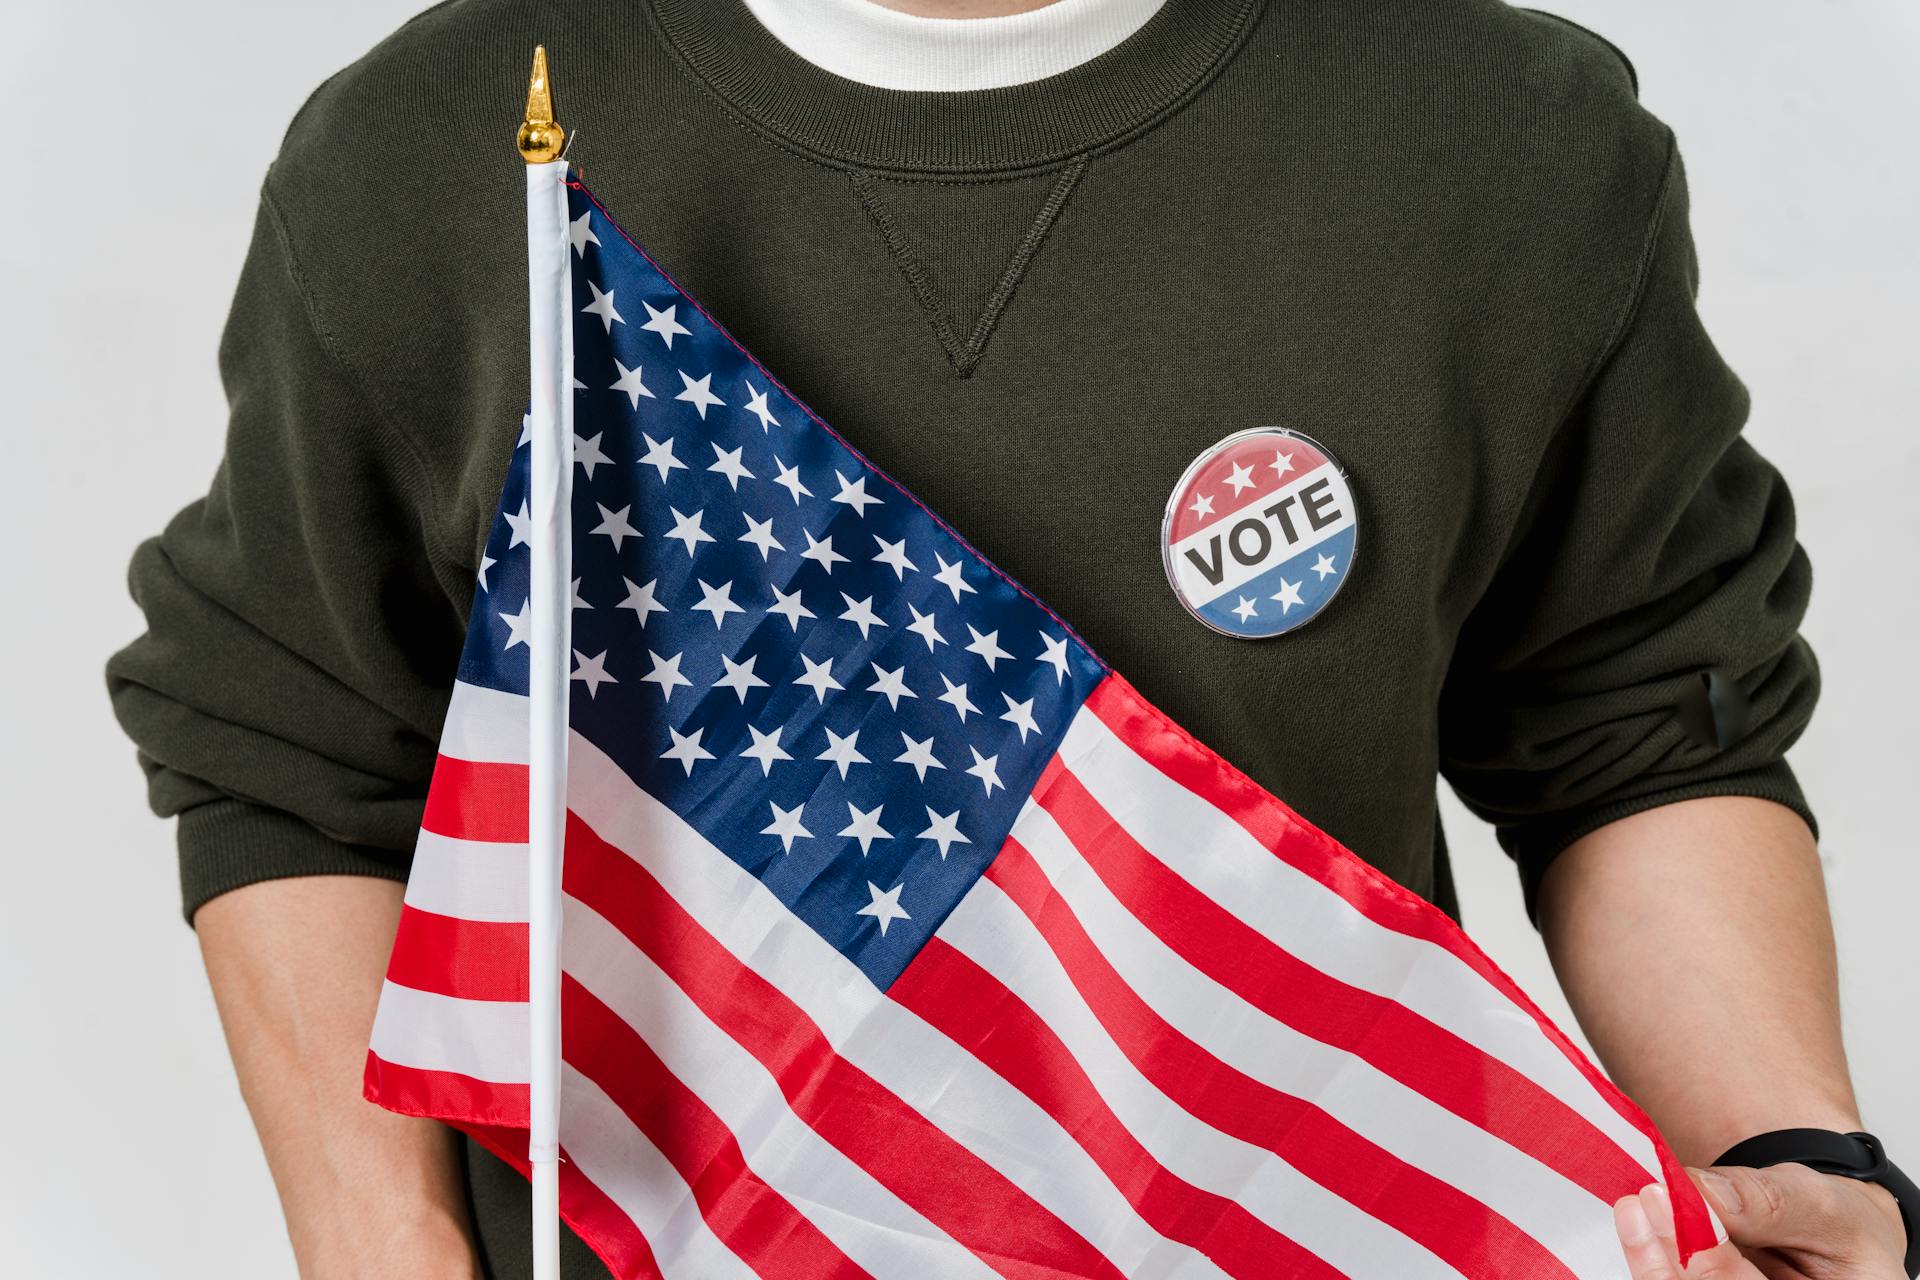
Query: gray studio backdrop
x,y
137,136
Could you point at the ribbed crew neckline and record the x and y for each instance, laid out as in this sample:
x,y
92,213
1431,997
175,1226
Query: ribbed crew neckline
x,y
967,131
871,44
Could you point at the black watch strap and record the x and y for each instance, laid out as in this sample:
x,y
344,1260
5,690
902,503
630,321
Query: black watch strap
x,y
1848,1155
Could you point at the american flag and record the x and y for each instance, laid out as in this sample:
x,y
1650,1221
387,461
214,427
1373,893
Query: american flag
x,y
904,938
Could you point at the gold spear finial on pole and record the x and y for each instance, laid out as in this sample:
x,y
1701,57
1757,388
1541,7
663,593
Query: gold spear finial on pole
x,y
541,138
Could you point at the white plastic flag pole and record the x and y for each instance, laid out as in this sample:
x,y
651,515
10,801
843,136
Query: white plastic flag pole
x,y
550,505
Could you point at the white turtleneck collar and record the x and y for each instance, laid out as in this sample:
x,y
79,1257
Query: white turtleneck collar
x,y
864,42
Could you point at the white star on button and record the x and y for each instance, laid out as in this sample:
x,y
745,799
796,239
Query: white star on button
x,y
1241,478
1202,506
663,323
686,748
629,383
1281,464
1288,595
687,529
944,830
865,826
766,749
593,671
786,825
1324,566
1246,609
698,392
843,753
885,907
757,406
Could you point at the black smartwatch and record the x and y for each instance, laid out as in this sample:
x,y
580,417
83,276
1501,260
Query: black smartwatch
x,y
1848,1155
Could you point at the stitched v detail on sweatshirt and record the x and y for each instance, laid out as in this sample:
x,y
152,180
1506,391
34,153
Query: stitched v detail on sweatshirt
x,y
945,240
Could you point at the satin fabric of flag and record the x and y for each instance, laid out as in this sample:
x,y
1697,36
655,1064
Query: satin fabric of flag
x,y
904,938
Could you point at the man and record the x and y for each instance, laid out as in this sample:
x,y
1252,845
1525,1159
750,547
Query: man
x,y
1034,264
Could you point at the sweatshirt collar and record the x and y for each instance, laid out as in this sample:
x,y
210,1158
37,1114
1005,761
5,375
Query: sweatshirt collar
x,y
1106,97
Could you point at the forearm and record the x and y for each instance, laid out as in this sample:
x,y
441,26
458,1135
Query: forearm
x,y
1694,945
296,967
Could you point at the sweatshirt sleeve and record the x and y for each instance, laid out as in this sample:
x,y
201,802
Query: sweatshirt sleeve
x,y
301,640
1655,564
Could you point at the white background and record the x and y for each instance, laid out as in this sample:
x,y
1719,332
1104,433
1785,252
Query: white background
x,y
137,134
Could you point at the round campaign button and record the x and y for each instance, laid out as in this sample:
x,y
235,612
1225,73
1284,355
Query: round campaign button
x,y
1260,533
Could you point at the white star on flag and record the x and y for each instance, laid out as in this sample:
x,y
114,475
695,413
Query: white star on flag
x,y
641,599
698,392
629,383
757,406
943,830
740,677
602,306
592,671
686,748
663,323
786,825
666,674
885,906
660,454
919,754
843,752
865,827
687,529
614,524
766,749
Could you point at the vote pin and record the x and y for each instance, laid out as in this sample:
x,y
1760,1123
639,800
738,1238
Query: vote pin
x,y
1260,532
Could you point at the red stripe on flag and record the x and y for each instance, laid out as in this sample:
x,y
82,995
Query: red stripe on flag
x,y
470,959
444,1095
750,1218
970,1200
1457,1228
1174,752
967,1003
477,800
1426,1058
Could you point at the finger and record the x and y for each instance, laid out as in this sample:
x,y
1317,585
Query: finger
x,y
1647,1258
1786,1206
1659,1208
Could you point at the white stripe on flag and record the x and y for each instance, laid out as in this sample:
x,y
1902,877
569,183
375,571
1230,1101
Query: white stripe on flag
x,y
468,879
1532,1196
485,724
992,932
617,1158
864,1219
1221,859
485,1039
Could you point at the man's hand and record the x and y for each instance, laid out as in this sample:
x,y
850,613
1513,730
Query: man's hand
x,y
1783,1223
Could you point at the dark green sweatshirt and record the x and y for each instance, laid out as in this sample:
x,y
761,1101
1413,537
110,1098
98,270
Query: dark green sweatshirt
x,y
1439,236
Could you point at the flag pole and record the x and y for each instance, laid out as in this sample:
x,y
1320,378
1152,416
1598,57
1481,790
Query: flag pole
x,y
549,307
